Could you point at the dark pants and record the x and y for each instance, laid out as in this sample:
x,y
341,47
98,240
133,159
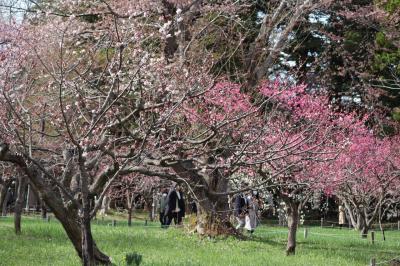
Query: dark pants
x,y
176,216
163,218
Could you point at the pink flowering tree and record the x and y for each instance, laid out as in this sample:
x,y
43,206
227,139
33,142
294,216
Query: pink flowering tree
x,y
223,133
317,135
366,178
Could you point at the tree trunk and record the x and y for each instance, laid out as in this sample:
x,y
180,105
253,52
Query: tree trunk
x,y
357,218
4,198
293,221
43,209
150,213
213,219
130,216
130,202
4,205
214,214
380,223
69,220
22,184
87,239
66,214
105,205
87,242
362,225
364,231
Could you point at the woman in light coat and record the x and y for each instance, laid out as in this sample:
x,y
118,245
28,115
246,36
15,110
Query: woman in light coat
x,y
251,216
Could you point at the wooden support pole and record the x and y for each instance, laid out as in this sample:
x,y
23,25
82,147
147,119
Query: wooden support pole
x,y
398,225
322,222
372,237
145,222
114,223
305,232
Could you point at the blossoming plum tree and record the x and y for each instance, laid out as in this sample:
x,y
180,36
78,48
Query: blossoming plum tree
x,y
365,177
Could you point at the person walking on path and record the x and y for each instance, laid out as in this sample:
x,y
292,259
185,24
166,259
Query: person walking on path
x,y
251,216
240,210
342,216
175,207
163,204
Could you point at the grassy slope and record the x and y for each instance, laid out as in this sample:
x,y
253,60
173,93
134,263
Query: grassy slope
x,y
43,243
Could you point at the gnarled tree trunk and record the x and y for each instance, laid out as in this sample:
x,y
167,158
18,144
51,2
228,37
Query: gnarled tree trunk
x,y
213,216
212,196
214,213
87,239
69,221
362,225
66,214
293,221
357,219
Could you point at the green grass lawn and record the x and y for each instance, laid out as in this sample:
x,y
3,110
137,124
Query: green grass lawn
x,y
43,243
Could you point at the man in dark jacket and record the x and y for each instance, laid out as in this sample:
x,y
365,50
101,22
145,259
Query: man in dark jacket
x,y
240,210
175,208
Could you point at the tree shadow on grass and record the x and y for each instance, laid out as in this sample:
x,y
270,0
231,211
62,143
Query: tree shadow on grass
x,y
350,252
360,254
347,248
